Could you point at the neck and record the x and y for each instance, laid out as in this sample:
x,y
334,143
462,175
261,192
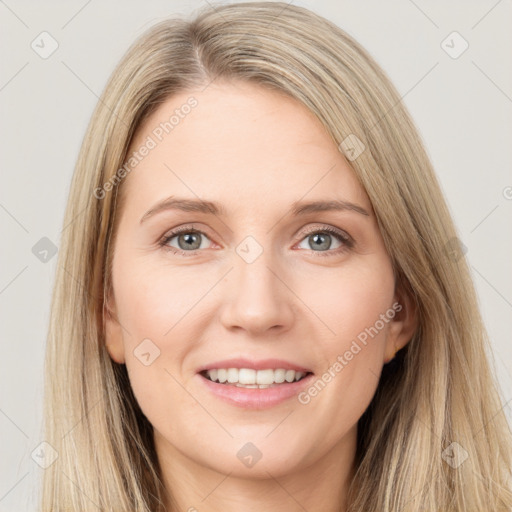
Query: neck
x,y
323,485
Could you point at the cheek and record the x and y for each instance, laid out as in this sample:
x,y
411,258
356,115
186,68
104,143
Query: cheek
x,y
152,299
352,301
358,308
152,303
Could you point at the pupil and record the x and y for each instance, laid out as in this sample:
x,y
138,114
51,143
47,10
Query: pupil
x,y
320,236
190,238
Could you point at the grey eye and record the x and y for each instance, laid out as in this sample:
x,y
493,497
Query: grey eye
x,y
187,241
320,241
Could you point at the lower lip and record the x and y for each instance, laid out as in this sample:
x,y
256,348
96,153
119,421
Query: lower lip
x,y
256,398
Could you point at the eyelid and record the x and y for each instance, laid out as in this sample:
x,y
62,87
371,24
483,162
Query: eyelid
x,y
321,228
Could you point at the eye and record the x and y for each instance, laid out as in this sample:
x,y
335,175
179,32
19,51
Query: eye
x,y
322,239
188,240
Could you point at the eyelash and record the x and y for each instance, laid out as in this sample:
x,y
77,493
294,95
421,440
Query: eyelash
x,y
347,241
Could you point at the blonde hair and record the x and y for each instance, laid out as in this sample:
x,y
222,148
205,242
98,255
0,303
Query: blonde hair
x,y
439,391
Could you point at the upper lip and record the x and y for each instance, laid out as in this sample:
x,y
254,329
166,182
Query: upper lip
x,y
262,364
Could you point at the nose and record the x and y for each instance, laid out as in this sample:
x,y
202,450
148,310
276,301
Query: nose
x,y
257,297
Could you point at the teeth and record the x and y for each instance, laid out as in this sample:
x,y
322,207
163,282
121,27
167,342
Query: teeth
x,y
232,375
290,375
279,376
246,377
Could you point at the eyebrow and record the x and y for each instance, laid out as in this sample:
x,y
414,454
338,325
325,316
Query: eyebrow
x,y
211,208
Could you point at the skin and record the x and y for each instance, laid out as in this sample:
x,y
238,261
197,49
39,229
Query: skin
x,y
255,152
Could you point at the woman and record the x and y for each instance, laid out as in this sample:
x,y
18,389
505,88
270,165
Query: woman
x,y
261,302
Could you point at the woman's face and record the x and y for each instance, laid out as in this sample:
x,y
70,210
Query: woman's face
x,y
268,281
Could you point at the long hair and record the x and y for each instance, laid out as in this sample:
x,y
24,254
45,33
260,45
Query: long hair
x,y
434,437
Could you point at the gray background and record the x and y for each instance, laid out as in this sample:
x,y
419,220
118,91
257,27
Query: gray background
x,y
462,107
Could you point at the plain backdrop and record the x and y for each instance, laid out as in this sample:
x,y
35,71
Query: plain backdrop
x,y
462,105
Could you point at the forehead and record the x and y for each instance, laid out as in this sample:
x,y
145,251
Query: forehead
x,y
240,142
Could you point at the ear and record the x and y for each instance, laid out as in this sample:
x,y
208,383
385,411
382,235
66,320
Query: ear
x,y
113,333
404,323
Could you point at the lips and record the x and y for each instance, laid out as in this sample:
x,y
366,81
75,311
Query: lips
x,y
264,364
254,384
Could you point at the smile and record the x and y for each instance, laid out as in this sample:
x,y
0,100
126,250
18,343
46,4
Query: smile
x,y
250,378
250,384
